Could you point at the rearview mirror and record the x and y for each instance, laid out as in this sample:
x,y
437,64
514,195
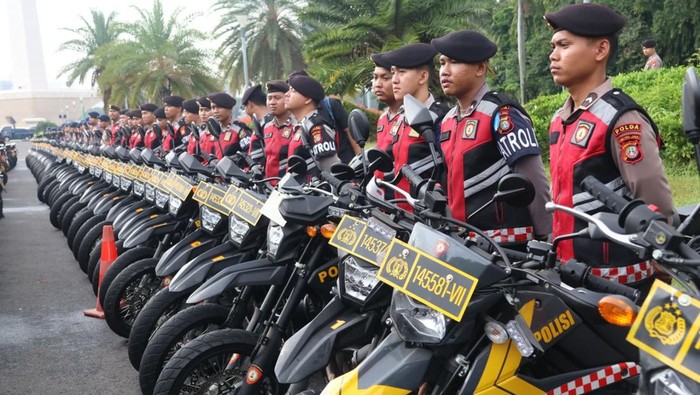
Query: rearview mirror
x,y
359,126
691,106
417,115
342,172
379,160
214,127
296,164
156,129
515,190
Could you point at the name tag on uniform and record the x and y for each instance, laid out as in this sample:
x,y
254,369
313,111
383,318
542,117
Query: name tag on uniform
x,y
227,136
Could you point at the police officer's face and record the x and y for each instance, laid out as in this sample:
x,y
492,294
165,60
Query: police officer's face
x,y
381,85
221,114
275,104
138,121
103,124
163,124
113,114
171,112
574,59
407,81
294,100
204,114
191,117
148,117
458,78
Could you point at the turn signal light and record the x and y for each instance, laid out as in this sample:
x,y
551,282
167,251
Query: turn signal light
x,y
328,230
311,231
166,281
617,311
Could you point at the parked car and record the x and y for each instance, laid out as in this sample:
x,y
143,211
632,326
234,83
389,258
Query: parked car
x,y
10,132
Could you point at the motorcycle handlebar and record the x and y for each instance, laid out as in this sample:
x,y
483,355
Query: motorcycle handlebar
x,y
604,194
411,175
336,183
578,274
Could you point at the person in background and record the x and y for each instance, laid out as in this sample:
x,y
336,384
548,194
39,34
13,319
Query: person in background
x,y
653,59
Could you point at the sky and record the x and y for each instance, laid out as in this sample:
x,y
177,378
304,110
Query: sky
x,y
54,15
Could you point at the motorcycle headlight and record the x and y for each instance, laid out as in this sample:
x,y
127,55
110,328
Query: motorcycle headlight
x,y
98,172
81,169
237,229
116,181
150,193
161,199
92,171
138,188
360,277
108,178
126,184
174,205
416,322
274,238
668,382
210,218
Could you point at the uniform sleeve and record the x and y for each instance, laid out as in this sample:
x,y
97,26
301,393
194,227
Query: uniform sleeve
x,y
636,154
322,141
532,168
514,135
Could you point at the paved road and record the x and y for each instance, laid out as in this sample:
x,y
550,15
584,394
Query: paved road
x,y
47,346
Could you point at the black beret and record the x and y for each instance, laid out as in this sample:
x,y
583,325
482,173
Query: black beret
x,y
308,87
204,102
222,99
296,73
191,106
124,111
466,46
150,107
115,108
252,92
379,61
135,113
411,56
587,20
277,86
159,113
93,114
649,43
175,101
103,118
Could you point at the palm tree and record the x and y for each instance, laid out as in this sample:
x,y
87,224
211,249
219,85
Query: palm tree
x,y
274,41
94,34
343,33
160,58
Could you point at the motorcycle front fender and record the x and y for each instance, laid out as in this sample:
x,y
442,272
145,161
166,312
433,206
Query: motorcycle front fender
x,y
103,206
308,351
107,194
186,249
139,220
93,190
257,272
128,213
80,187
154,229
391,366
211,262
120,207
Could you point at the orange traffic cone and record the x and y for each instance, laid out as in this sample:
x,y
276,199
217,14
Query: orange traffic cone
x,y
108,254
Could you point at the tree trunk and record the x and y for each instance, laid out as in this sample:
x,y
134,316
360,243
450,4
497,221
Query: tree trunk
x,y
106,97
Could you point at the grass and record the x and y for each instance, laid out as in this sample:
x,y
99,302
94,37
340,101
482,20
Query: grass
x,y
685,188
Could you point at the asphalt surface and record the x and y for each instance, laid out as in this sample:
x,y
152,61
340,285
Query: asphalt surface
x,y
47,345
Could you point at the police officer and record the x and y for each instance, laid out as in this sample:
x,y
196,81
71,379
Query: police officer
x,y
384,92
92,119
277,130
254,104
151,139
163,129
235,135
172,105
137,130
192,122
314,137
103,128
599,131
653,59
485,137
411,67
207,142
113,127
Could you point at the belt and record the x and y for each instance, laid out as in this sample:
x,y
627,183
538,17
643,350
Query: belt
x,y
625,274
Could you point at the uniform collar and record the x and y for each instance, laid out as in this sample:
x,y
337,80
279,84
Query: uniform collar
x,y
592,97
474,104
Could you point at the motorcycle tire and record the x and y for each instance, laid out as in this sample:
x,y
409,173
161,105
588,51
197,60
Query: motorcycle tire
x,y
42,186
163,305
95,276
128,294
181,329
87,244
208,356
56,193
48,189
69,215
80,236
62,212
123,261
56,210
78,221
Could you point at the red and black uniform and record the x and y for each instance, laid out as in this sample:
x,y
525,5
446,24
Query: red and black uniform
x,y
151,139
233,139
387,128
480,146
193,141
595,141
256,150
276,148
113,129
136,139
408,147
314,131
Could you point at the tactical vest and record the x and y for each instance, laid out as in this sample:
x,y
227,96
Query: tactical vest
x,y
151,139
276,148
474,165
235,138
580,147
302,132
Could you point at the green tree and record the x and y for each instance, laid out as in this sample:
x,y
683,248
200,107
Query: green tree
x,y
93,34
342,34
273,39
160,57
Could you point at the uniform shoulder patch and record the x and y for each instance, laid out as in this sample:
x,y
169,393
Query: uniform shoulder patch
x,y
582,133
505,124
241,134
317,134
286,132
469,131
629,136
